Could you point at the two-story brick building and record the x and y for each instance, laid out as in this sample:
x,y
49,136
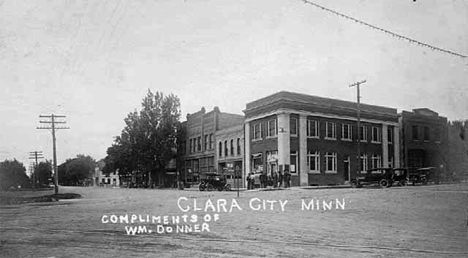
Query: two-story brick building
x,y
424,138
230,154
200,141
316,138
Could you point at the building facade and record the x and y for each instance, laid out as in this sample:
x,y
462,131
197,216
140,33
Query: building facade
x,y
424,138
200,141
230,154
316,138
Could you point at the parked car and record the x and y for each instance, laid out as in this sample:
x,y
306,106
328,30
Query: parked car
x,y
380,176
424,175
214,181
400,176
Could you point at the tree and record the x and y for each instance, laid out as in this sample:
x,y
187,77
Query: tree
x,y
76,171
13,174
43,172
148,140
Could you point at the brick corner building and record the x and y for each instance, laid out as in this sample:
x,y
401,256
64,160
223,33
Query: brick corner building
x,y
315,138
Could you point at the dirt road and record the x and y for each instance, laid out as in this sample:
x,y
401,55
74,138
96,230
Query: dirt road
x,y
421,221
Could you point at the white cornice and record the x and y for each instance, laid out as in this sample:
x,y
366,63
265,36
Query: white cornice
x,y
319,114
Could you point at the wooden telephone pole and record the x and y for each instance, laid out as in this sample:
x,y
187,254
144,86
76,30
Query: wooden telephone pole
x,y
357,85
53,126
35,155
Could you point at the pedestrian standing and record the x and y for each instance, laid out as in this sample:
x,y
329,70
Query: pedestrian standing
x,y
287,178
280,179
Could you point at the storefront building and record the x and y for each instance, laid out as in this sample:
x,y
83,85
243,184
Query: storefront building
x,y
230,154
315,138
200,141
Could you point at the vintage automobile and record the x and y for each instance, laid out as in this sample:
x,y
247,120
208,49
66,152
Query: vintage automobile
x,y
214,181
400,176
380,176
424,175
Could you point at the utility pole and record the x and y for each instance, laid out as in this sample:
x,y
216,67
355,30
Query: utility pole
x,y
357,85
52,123
35,155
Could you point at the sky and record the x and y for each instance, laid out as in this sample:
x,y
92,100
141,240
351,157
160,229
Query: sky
x,y
94,60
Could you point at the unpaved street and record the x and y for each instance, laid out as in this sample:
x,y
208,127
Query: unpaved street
x,y
421,221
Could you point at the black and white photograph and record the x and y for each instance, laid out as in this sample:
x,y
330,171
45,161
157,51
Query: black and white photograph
x,y
247,128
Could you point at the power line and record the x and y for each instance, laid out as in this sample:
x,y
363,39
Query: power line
x,y
52,122
385,31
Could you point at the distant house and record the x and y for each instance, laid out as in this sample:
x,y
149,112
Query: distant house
x,y
101,179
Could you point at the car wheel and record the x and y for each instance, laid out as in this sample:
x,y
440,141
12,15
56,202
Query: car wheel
x,y
403,183
354,184
202,187
228,187
384,183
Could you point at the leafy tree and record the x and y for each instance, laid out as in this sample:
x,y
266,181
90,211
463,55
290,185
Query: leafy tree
x,y
148,140
13,174
461,127
43,172
75,171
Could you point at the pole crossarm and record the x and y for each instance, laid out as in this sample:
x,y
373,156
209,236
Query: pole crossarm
x,y
52,127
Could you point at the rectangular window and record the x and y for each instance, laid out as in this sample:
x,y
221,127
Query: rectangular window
x,y
376,134
437,135
293,126
190,146
363,163
206,141
330,160
330,130
271,132
346,132
313,161
199,143
312,129
415,133
426,133
363,133
376,161
390,134
293,159
257,130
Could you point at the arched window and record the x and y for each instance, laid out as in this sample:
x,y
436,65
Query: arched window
x,y
220,149
225,149
238,146
232,147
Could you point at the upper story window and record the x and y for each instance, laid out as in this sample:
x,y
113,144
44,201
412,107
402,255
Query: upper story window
x,y
437,135
346,132
238,146
363,133
226,149
293,126
312,128
415,133
232,147
390,134
426,133
257,131
211,142
206,142
271,130
220,149
376,135
199,143
330,128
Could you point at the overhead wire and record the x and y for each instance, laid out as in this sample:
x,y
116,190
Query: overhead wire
x,y
420,43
